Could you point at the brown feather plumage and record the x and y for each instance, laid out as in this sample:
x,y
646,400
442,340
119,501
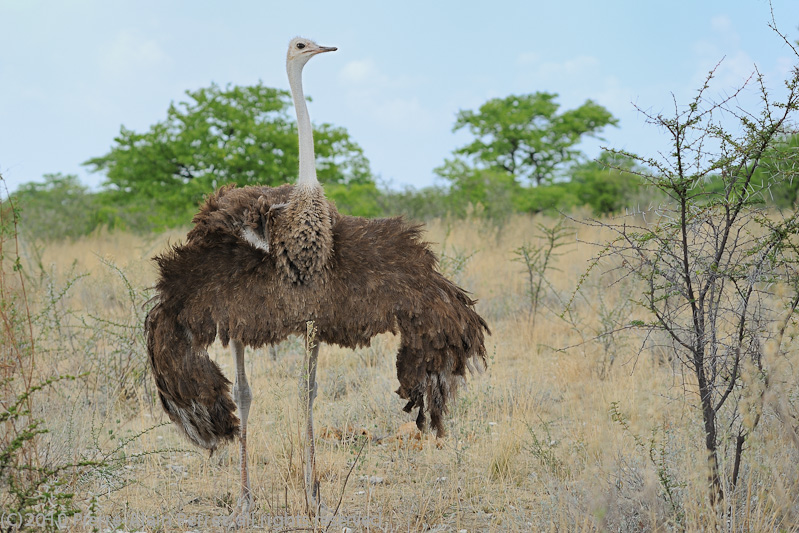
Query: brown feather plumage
x,y
256,266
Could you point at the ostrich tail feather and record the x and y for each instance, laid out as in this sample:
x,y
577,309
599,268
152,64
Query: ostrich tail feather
x,y
441,342
193,391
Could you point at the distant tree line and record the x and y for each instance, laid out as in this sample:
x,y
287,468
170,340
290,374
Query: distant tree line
x,y
523,159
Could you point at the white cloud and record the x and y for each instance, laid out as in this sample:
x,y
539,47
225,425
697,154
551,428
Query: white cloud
x,y
577,77
723,27
527,58
720,49
360,73
386,100
784,66
131,54
577,67
365,74
574,73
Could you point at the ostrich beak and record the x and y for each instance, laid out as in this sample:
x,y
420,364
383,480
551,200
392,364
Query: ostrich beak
x,y
323,49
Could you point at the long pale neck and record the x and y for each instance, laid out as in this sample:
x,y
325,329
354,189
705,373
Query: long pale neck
x,y
307,157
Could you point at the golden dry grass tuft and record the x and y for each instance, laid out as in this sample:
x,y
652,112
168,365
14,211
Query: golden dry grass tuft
x,y
532,444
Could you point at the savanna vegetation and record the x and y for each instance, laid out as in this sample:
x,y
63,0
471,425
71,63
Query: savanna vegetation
x,y
523,159
643,369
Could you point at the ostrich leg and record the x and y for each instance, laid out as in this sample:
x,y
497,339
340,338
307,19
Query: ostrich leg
x,y
243,396
308,391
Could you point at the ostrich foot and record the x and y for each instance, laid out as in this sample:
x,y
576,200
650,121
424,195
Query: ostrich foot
x,y
241,517
319,513
316,506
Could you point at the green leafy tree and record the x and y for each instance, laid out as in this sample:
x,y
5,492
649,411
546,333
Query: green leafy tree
x,y
61,207
493,191
426,203
243,135
608,184
550,199
357,199
526,137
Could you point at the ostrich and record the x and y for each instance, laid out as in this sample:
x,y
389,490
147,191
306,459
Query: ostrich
x,y
262,263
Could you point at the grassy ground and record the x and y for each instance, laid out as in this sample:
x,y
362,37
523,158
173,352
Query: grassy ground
x,y
596,437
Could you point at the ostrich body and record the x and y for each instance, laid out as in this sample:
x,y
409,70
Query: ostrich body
x,y
261,262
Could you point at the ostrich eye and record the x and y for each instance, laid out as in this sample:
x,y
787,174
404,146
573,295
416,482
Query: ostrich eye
x,y
300,45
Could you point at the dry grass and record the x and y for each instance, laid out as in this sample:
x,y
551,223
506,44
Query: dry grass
x,y
532,444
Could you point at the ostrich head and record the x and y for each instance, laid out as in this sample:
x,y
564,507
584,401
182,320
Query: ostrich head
x,y
301,50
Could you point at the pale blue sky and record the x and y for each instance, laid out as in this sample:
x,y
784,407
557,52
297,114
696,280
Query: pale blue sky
x,y
72,72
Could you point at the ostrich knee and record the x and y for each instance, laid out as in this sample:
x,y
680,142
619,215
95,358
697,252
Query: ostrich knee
x,y
242,394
